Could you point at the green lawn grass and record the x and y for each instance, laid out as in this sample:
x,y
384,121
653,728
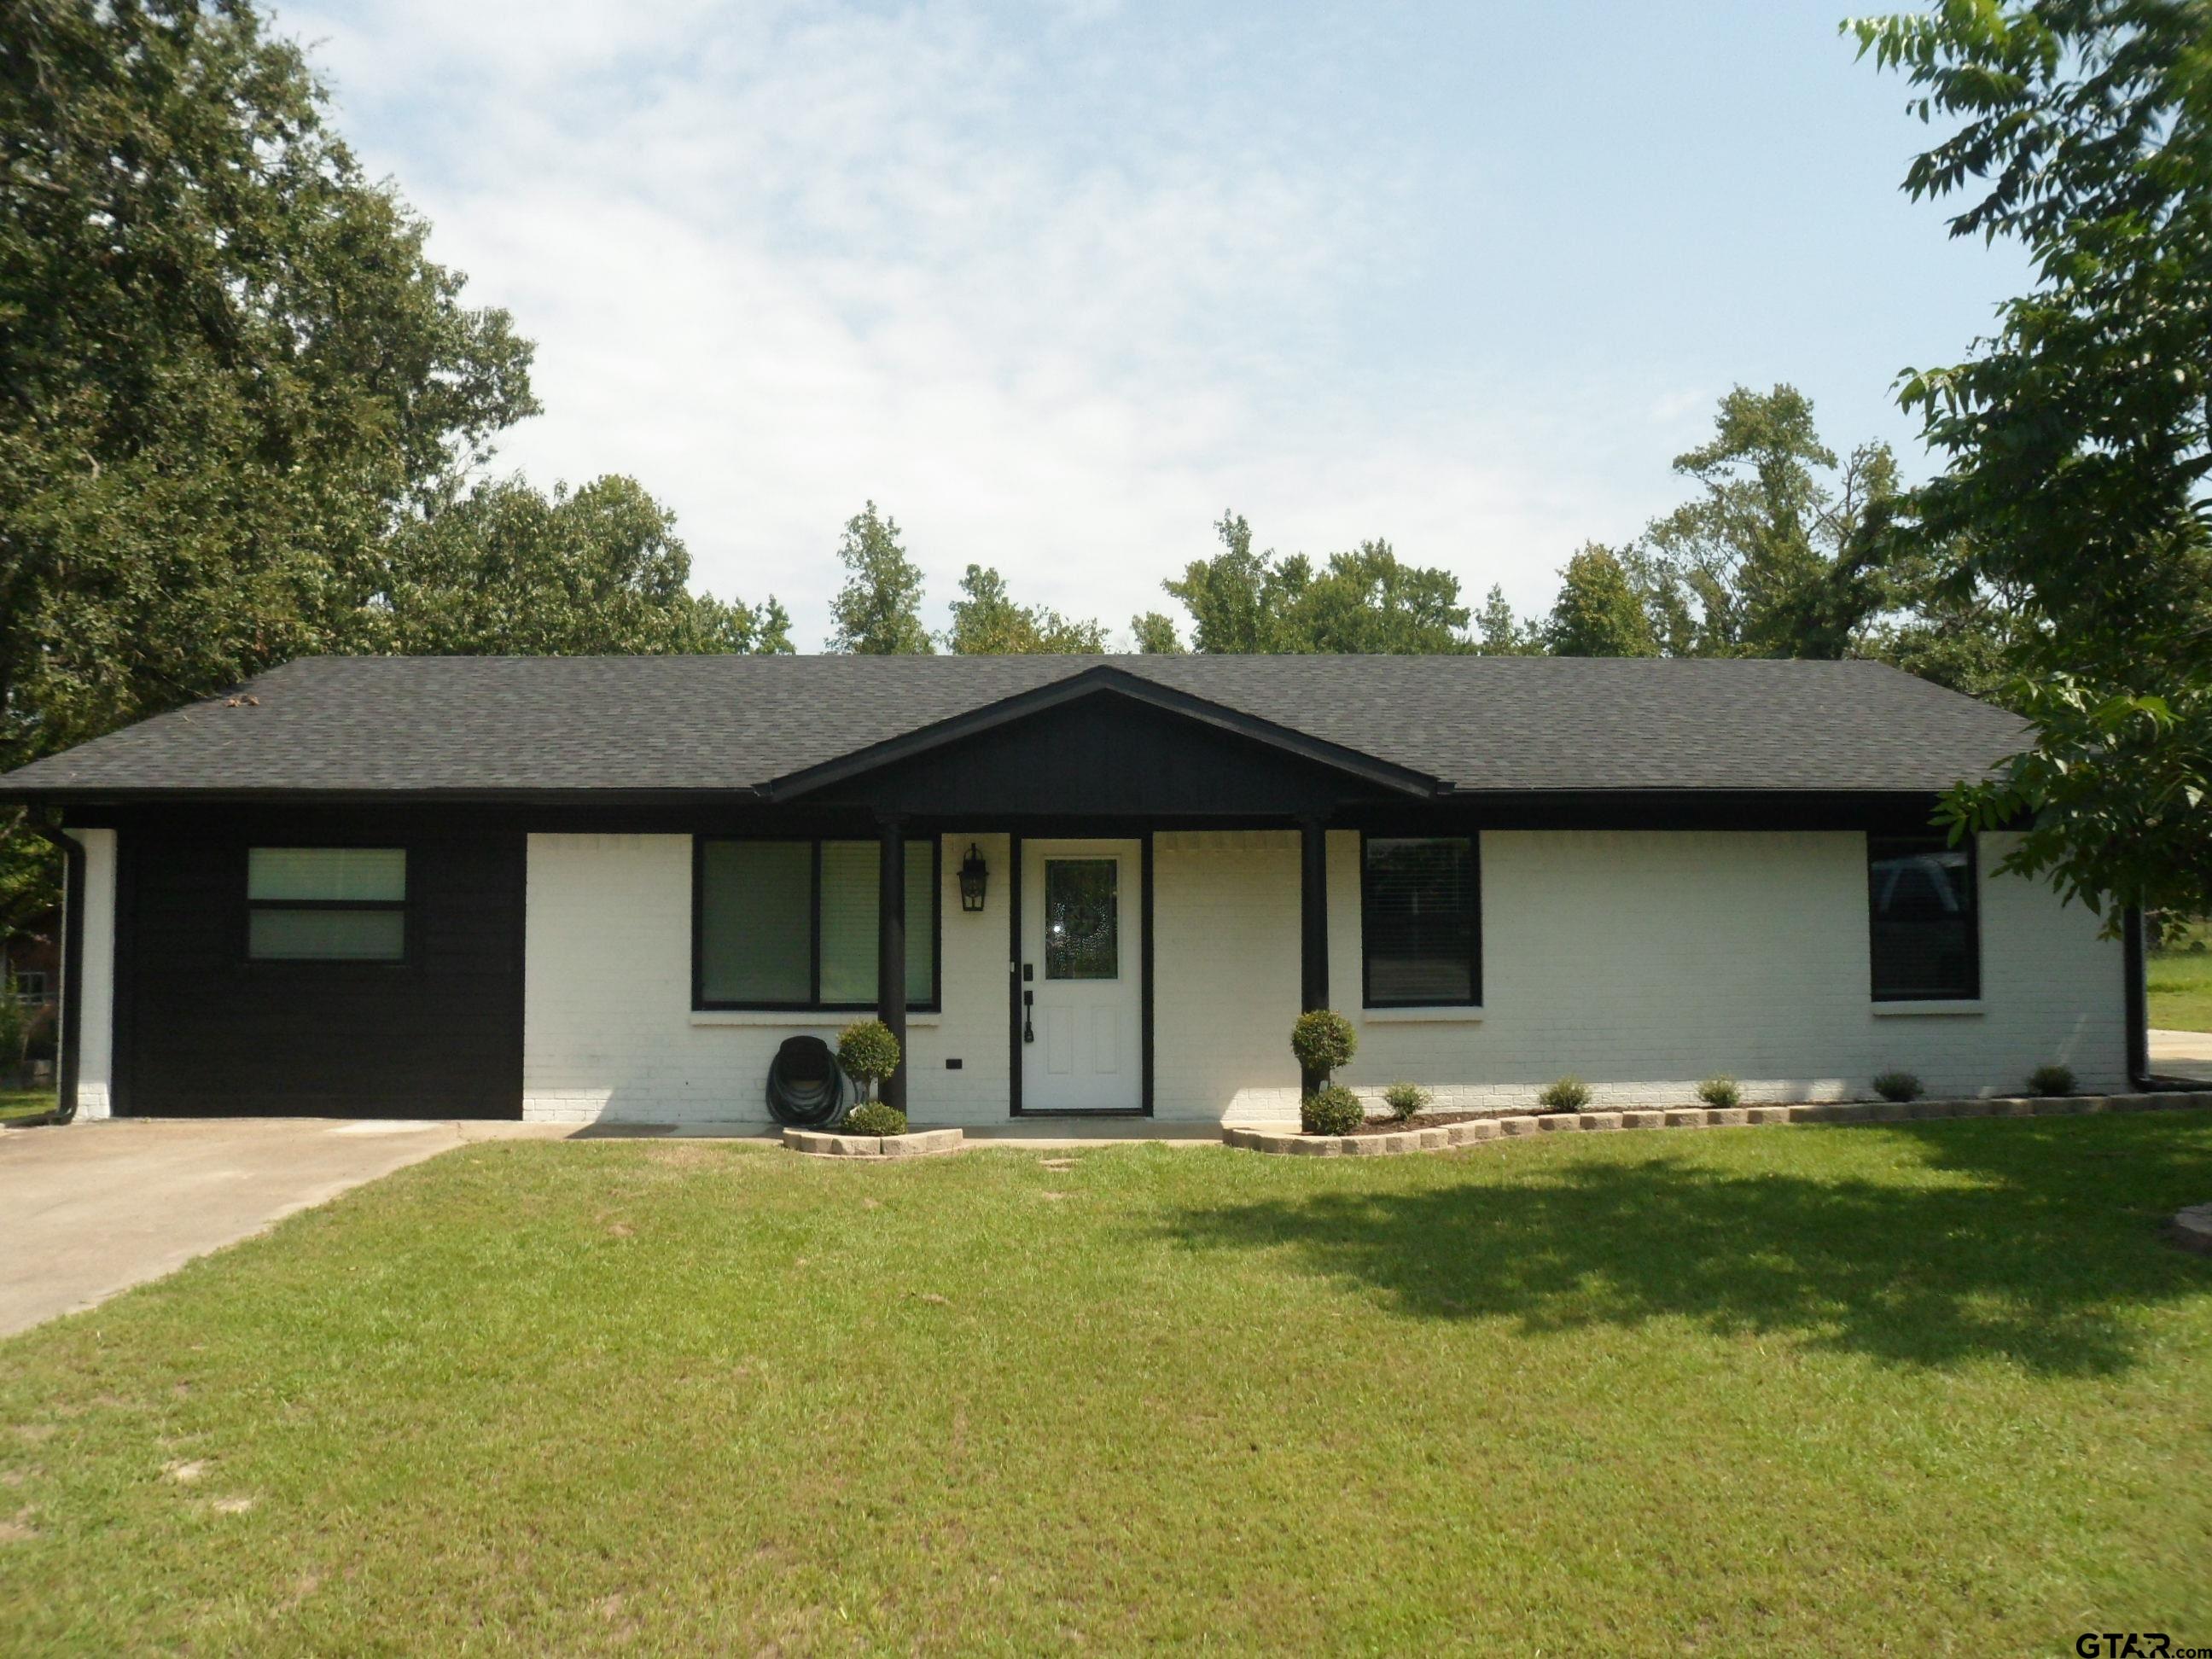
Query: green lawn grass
x,y
2181,992
25,1102
1914,1388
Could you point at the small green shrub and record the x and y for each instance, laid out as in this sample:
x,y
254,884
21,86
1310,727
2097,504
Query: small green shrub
x,y
1899,1086
1323,1039
2050,1080
1720,1091
1569,1094
1404,1099
1334,1110
874,1118
868,1052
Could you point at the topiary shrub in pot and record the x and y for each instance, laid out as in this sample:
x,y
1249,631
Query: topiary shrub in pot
x,y
1720,1091
1898,1087
1568,1094
1404,1099
1334,1110
2050,1080
1323,1039
869,1054
874,1118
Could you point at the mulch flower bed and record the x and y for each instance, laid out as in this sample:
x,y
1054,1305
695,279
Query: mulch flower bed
x,y
1391,1125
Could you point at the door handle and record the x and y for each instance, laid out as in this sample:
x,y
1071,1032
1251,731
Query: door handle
x,y
1029,1031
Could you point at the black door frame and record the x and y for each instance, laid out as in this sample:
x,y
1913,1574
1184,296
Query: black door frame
x,y
1014,1009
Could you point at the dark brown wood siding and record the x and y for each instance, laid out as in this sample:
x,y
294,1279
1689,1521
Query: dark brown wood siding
x,y
201,1029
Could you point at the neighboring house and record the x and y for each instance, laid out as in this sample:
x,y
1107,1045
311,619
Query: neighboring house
x,y
31,961
576,889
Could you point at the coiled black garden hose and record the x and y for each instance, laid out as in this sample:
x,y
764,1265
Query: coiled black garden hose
x,y
805,1088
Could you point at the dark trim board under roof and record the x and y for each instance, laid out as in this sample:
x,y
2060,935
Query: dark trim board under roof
x,y
667,732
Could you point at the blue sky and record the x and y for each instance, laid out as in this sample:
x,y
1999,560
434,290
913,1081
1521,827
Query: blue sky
x,y
1056,283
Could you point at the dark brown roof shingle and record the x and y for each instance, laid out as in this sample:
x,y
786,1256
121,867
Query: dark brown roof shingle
x,y
490,724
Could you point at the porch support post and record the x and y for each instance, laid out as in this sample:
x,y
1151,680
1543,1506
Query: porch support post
x,y
1312,924
890,949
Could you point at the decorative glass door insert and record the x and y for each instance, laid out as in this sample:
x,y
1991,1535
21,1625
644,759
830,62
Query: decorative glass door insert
x,y
1082,936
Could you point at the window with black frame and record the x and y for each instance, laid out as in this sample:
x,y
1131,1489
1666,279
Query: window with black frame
x,y
1924,929
1421,921
792,924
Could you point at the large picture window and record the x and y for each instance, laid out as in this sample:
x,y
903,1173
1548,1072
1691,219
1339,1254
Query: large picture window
x,y
792,924
1923,931
326,904
1420,912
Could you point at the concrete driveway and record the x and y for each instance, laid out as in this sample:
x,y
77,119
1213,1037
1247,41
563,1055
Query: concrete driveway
x,y
2182,1053
89,1209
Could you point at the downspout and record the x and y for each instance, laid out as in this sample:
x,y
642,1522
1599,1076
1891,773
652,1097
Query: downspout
x,y
65,1049
2136,990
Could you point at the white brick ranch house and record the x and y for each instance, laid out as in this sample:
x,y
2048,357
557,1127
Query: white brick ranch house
x,y
585,889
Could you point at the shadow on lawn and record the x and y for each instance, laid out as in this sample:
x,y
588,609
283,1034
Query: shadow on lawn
x,y
2040,1259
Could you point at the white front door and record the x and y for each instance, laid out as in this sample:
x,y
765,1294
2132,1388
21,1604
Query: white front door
x,y
1082,976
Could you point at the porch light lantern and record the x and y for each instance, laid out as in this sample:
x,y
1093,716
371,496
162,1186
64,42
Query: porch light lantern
x,y
973,875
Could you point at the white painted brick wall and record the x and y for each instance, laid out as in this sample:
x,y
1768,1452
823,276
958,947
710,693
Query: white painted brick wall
x,y
1225,967
96,1048
1642,960
608,1030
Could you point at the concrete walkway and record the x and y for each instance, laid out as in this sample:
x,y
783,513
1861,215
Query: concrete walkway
x,y
2181,1054
89,1209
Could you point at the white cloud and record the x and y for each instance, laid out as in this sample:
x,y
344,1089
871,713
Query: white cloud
x,y
1048,302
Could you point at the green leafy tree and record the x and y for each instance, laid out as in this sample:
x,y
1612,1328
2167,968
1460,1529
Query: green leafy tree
x,y
30,879
1234,596
878,612
241,409
1366,600
227,367
1500,633
1751,566
986,622
2078,436
1155,633
506,569
1971,637
1598,613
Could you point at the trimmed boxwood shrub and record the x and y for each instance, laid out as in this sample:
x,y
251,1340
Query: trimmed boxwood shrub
x,y
1897,1086
874,1118
1569,1094
1720,1091
1323,1039
1404,1099
869,1054
2050,1080
1334,1110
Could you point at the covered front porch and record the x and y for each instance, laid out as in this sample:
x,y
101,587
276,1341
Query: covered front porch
x,y
1116,943
1070,809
